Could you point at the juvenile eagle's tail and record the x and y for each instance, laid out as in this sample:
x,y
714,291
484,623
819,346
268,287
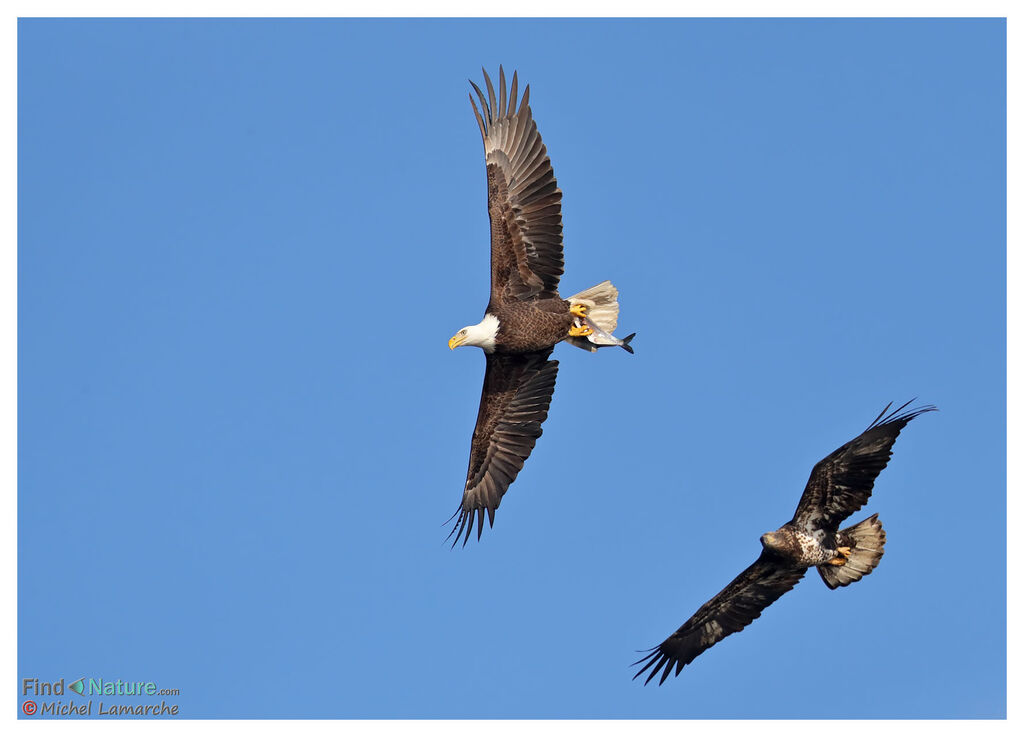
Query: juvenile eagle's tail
x,y
866,541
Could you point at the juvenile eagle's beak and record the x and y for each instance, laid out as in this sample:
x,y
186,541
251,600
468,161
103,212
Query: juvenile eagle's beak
x,y
455,341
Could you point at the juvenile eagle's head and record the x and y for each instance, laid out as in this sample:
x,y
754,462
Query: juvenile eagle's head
x,y
779,541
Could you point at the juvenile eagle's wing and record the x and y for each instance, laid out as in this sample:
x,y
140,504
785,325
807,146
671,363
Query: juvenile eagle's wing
x,y
841,483
515,399
732,609
523,198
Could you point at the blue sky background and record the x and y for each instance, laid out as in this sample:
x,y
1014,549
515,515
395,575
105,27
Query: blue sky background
x,y
243,246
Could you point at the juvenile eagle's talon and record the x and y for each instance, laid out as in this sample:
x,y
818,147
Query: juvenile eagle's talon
x,y
579,310
580,332
843,554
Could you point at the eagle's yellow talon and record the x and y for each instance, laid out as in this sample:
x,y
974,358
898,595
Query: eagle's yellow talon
x,y
578,310
844,551
837,561
579,332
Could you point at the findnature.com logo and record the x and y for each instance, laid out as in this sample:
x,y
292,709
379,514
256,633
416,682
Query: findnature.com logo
x,y
88,687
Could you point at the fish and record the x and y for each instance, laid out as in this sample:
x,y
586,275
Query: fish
x,y
599,338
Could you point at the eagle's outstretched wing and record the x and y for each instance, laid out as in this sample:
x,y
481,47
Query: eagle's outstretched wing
x,y
523,198
841,483
515,399
732,609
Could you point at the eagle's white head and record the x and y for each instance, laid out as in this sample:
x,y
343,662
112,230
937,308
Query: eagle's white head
x,y
482,334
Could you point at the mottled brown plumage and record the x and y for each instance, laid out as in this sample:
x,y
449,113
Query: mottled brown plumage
x,y
839,485
524,205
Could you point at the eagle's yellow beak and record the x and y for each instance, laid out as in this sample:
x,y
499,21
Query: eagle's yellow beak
x,y
455,341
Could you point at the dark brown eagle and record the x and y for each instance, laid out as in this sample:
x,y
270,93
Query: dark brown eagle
x,y
525,316
839,485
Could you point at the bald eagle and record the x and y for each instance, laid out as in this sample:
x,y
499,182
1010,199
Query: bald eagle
x,y
525,316
840,484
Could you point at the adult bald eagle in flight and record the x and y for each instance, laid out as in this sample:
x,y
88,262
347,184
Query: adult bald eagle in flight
x,y
525,316
839,485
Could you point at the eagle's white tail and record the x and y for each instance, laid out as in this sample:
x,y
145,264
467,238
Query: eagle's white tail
x,y
602,303
867,544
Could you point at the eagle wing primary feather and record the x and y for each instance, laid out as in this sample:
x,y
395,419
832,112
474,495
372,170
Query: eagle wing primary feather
x,y
523,198
841,483
516,396
732,609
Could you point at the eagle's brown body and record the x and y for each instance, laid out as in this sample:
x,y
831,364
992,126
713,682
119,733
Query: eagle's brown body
x,y
532,326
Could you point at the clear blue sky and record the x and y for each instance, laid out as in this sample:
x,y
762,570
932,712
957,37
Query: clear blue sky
x,y
244,245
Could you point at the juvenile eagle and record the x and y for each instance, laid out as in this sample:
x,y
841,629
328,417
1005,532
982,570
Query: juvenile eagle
x,y
525,316
839,485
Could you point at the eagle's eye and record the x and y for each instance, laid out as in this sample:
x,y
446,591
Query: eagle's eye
x,y
462,332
